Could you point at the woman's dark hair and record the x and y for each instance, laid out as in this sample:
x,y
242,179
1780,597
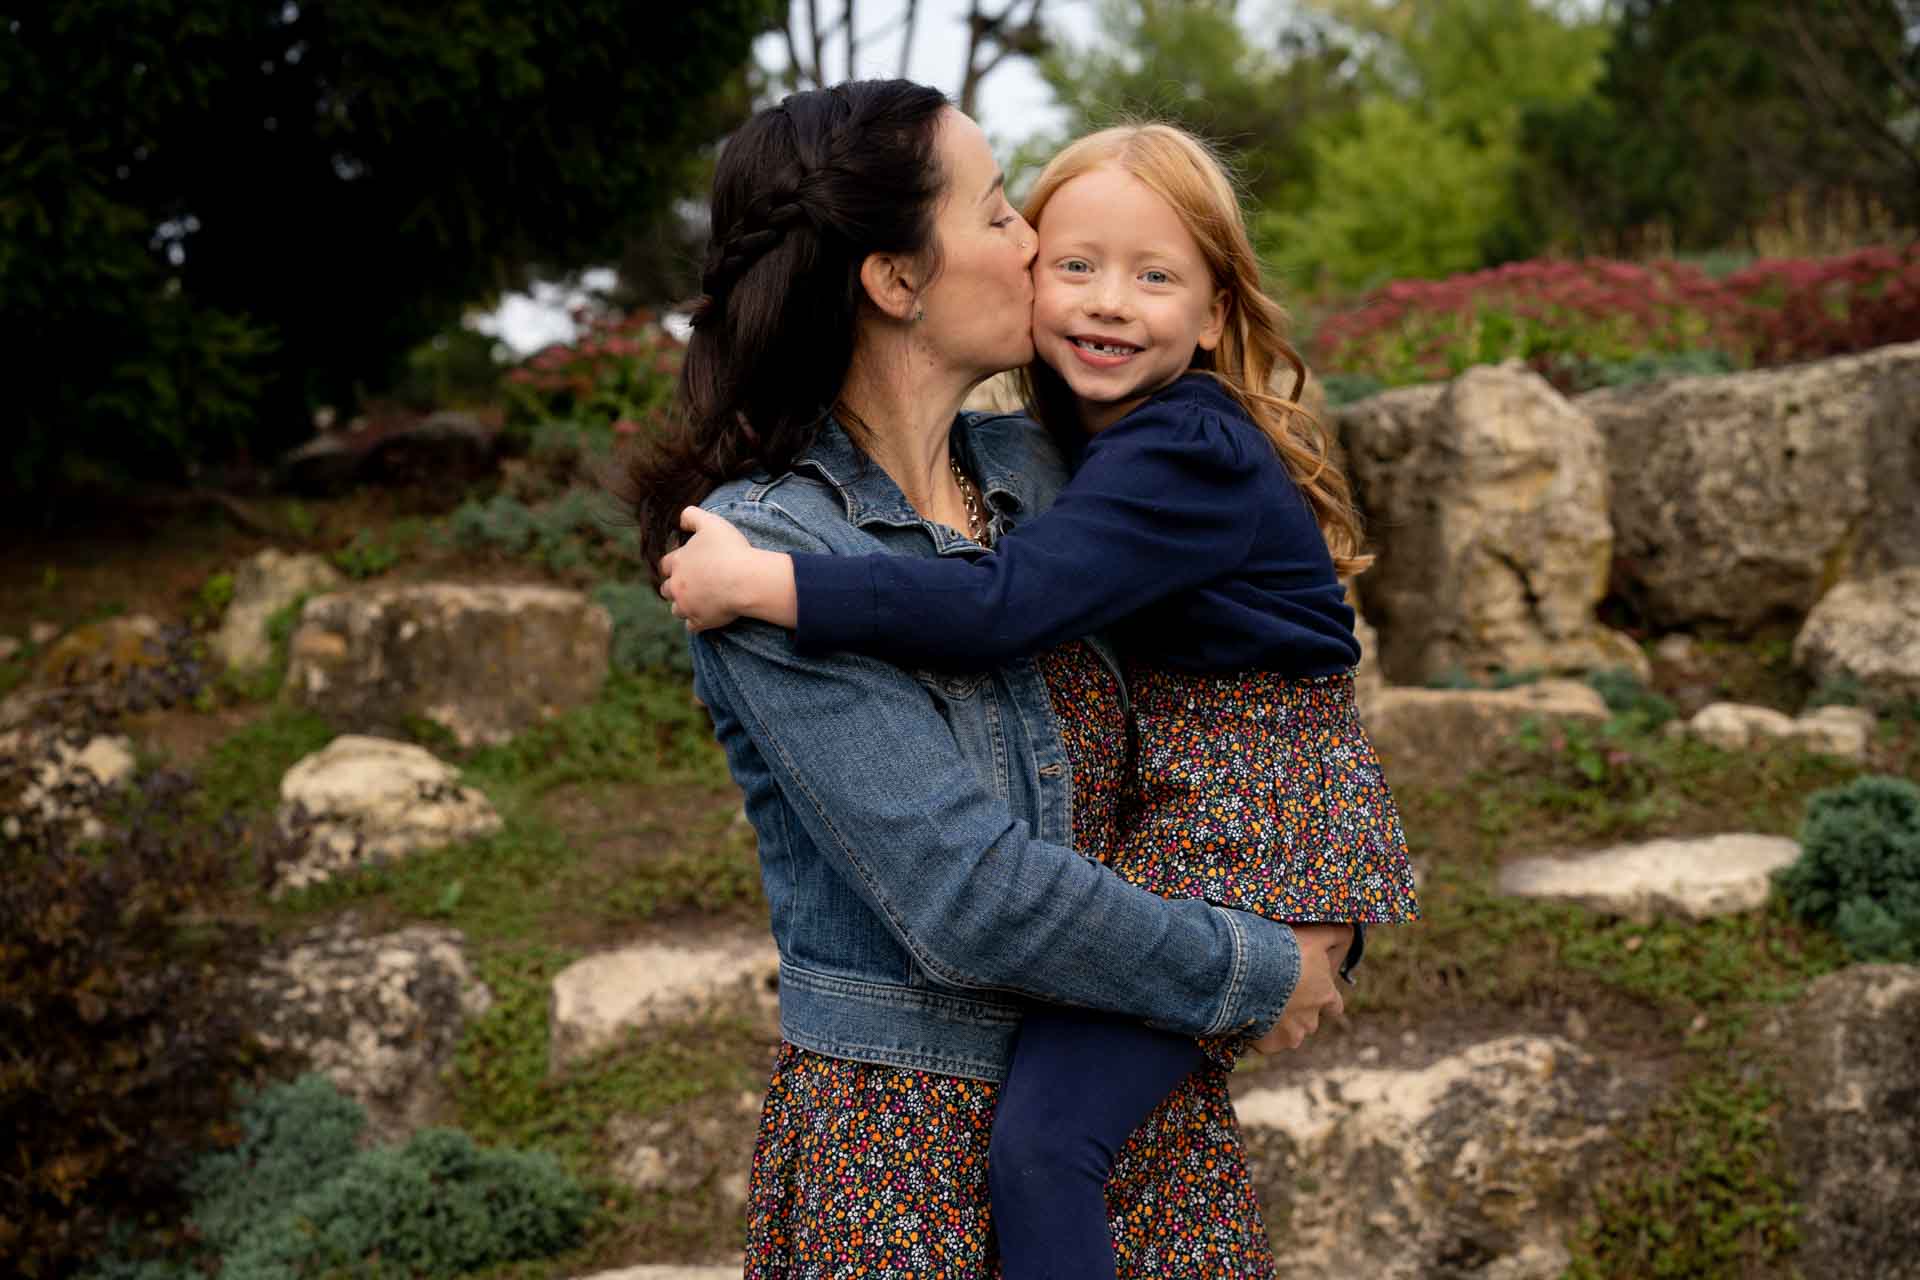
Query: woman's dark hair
x,y
801,195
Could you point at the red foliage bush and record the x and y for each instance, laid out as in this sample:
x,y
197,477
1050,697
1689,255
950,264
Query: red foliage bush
x,y
618,373
1568,318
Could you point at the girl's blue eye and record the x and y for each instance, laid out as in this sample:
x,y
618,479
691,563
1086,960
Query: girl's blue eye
x,y
1075,264
1157,277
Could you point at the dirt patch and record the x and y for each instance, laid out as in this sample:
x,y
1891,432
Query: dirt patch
x,y
180,737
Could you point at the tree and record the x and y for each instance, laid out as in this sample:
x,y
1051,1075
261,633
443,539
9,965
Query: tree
x,y
1422,182
1194,65
994,34
217,213
1709,112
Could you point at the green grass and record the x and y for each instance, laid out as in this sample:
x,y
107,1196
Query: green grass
x,y
1702,1194
645,738
241,775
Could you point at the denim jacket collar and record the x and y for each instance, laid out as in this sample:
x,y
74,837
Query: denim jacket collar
x,y
989,445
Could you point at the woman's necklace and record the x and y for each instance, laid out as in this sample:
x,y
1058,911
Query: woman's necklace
x,y
977,527
970,494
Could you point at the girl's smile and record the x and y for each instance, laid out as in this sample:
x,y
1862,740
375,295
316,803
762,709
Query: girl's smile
x,y
1123,297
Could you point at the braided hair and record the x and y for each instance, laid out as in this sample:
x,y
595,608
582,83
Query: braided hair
x,y
802,194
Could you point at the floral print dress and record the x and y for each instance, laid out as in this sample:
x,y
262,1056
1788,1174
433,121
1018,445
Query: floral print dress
x,y
879,1172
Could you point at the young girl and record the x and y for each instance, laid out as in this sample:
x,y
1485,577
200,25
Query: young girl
x,y
1208,527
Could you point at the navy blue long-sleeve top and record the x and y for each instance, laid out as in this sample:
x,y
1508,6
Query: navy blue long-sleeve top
x,y
1181,530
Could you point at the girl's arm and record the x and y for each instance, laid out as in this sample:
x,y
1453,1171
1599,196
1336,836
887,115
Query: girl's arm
x,y
1164,500
870,771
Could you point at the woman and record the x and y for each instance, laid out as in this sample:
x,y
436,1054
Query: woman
x,y
916,829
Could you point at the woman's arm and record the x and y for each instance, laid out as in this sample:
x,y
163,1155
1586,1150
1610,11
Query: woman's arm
x,y
1163,501
874,775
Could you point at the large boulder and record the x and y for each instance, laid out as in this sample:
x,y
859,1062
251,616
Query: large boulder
x,y
482,662
1852,1128
379,1015
446,452
1477,1164
263,586
362,801
596,1001
1868,632
1486,500
1692,879
1434,737
1743,498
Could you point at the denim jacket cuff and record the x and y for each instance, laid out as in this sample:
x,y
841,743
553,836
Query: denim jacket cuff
x,y
838,607
1265,971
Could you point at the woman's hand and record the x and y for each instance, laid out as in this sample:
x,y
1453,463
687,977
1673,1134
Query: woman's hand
x,y
1321,948
717,576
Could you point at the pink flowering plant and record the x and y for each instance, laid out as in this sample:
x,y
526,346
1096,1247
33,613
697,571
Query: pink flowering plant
x,y
1575,321
617,376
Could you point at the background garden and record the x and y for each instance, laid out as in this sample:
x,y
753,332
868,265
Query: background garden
x,y
241,250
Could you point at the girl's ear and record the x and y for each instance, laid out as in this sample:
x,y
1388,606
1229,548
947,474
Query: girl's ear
x,y
892,284
1216,321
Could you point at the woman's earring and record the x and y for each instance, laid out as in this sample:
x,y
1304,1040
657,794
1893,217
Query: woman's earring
x,y
919,314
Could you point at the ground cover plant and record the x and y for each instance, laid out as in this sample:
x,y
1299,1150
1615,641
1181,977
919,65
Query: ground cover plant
x,y
1598,322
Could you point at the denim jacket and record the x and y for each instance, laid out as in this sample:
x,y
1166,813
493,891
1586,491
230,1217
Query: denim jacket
x,y
915,826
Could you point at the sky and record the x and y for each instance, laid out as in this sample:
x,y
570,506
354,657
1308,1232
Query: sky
x,y
1014,105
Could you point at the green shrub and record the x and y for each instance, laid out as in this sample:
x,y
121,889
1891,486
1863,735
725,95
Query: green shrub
x,y
122,1039
646,635
1859,868
1626,696
296,1199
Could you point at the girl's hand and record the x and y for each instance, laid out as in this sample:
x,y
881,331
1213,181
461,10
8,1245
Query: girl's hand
x,y
716,575
1321,948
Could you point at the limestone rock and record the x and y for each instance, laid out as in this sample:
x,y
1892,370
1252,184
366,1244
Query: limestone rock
x,y
262,587
41,634
1852,1129
1733,726
10,648
1435,736
1401,1174
1745,497
1368,680
1835,731
363,800
62,783
1693,879
600,998
483,662
449,451
379,1015
1486,500
1868,631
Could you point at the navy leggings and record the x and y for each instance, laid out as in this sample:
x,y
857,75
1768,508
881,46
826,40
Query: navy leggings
x,y
1079,1084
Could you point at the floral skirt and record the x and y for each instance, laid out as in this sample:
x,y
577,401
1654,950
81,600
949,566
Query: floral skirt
x,y
880,1172
1262,792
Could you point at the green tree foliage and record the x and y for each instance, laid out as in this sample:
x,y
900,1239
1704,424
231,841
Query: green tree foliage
x,y
215,214
1193,64
1421,181
1709,111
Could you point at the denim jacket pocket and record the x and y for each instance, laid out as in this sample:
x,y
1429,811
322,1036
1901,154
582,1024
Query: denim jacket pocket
x,y
966,701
